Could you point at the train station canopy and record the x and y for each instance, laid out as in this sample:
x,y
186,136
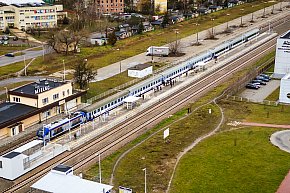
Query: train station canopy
x,y
131,99
59,183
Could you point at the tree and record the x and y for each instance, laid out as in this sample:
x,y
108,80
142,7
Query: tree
x,y
174,47
112,38
65,37
83,73
65,21
140,28
165,20
7,30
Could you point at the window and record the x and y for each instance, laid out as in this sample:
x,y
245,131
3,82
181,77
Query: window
x,y
1,164
55,96
16,99
45,100
63,93
46,114
67,91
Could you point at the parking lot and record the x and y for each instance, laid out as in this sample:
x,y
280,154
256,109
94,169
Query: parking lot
x,y
260,94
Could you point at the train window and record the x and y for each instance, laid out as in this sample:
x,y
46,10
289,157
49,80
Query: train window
x,y
115,102
106,106
98,110
109,105
112,103
102,108
1,164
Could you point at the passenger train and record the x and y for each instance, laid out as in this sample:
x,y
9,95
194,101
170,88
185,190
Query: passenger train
x,y
95,110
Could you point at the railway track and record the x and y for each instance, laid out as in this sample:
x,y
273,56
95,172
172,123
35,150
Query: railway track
x,y
131,128
121,133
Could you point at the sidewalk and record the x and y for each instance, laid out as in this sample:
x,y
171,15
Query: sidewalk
x,y
190,51
22,35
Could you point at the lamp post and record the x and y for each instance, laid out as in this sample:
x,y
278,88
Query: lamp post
x,y
280,6
120,62
197,43
269,26
212,32
25,71
242,17
176,32
228,21
152,55
264,12
145,187
63,70
272,9
6,89
100,171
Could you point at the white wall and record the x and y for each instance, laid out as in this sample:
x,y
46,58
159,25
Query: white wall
x,y
282,59
284,90
140,73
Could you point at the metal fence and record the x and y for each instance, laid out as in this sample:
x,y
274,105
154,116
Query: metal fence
x,y
243,99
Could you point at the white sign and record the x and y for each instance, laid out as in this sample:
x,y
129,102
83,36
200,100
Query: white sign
x,y
124,190
209,111
166,133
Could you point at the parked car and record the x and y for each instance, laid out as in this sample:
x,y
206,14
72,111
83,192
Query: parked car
x,y
252,86
259,81
5,38
266,76
9,55
262,78
15,38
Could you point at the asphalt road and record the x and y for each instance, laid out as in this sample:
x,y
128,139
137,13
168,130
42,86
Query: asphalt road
x,y
28,54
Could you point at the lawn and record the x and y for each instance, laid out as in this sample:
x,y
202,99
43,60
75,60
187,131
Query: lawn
x,y
158,156
4,49
104,55
274,96
237,161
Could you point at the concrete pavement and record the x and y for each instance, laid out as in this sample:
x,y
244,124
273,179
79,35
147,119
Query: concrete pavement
x,y
281,139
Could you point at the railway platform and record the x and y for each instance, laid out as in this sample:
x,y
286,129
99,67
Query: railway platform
x,y
99,126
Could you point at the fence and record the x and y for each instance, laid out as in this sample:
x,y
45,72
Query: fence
x,y
242,99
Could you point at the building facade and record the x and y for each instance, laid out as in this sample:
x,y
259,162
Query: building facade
x,y
107,6
36,102
30,15
282,58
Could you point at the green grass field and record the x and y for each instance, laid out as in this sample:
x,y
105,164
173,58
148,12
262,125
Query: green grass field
x,y
237,161
274,96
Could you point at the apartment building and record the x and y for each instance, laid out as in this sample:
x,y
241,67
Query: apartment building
x,y
36,102
107,6
25,14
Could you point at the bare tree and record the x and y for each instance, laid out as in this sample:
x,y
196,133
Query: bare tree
x,y
77,37
52,40
84,73
175,47
65,38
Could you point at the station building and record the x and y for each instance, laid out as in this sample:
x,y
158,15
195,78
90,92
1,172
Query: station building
x,y
61,179
29,14
282,58
36,102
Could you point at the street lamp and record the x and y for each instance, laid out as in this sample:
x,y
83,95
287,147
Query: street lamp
x,y
6,89
176,32
242,17
197,43
212,32
120,62
269,26
63,70
145,180
100,171
264,12
272,12
228,21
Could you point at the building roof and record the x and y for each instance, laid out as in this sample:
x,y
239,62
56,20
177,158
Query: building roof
x,y
38,87
11,155
140,67
9,2
27,146
286,35
60,183
62,168
11,111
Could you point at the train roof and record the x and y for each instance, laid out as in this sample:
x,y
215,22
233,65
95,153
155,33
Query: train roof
x,y
251,32
145,82
105,101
